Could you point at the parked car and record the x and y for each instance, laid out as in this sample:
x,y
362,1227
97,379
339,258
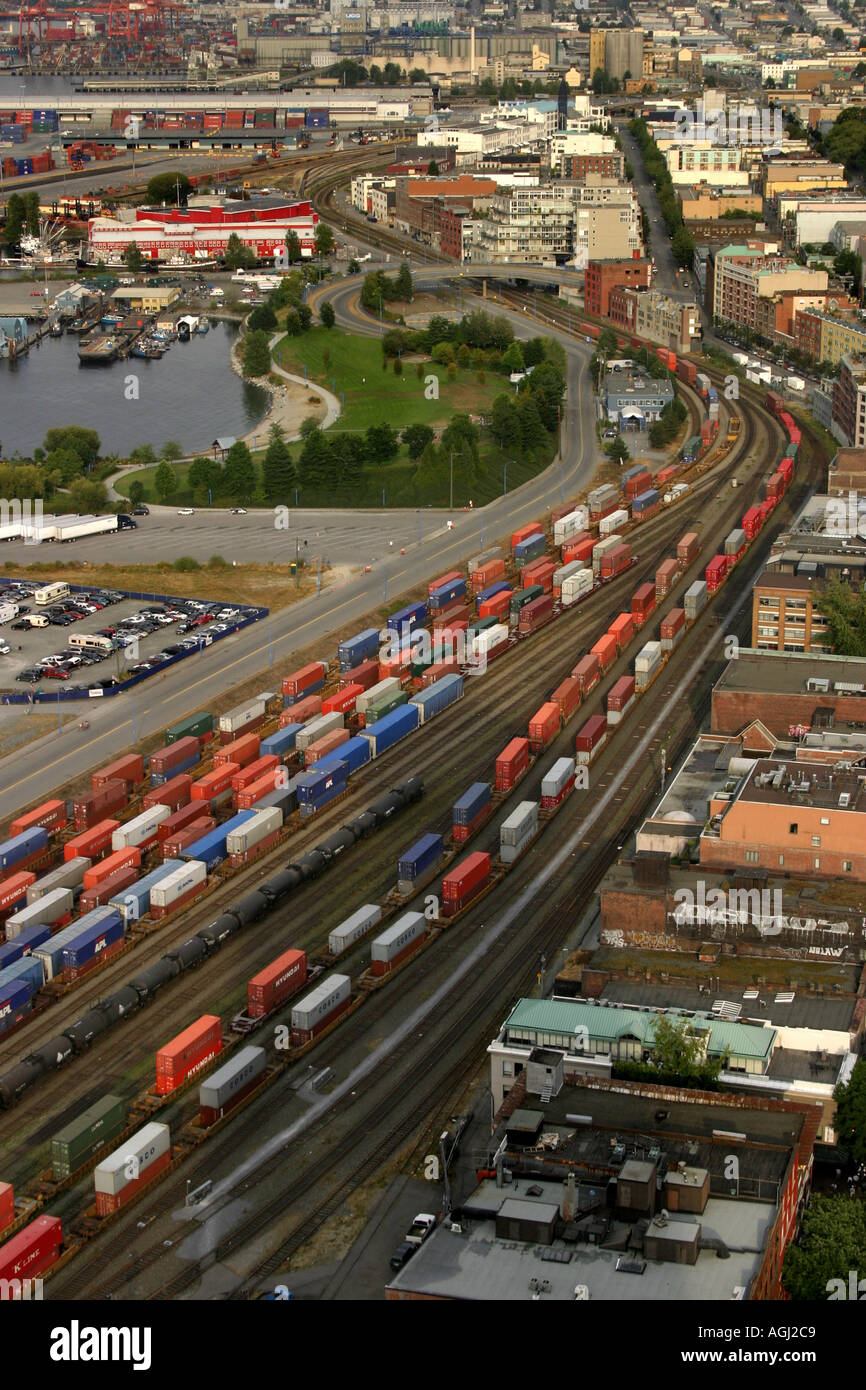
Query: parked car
x,y
141,510
186,511
404,1252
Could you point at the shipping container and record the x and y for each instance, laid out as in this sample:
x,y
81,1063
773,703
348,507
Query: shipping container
x,y
212,783
544,725
643,603
695,598
133,902
74,1145
211,848
512,763
13,891
388,731
177,757
21,850
272,986
601,548
360,648
580,548
465,881
307,680
51,815
417,863
735,542
353,928
448,593
92,946
93,843
647,662
591,739
666,577
16,1001
487,573
576,586
521,597
397,943
174,793
411,616
567,696
128,769
540,572
619,699
180,886
438,697
371,695
443,581
188,1053
230,1084
253,771
53,910
530,549
564,572
242,718
321,785
470,810
50,953
587,672
317,728
606,651
687,550
517,831
353,754
557,783
523,533
141,831
610,524
623,629
280,744
343,702
66,875
240,751
615,562
322,1006
23,944
33,1251
179,820
715,572
571,525
174,848
672,628
89,810
119,1178
447,667
259,827
365,675
753,520
639,482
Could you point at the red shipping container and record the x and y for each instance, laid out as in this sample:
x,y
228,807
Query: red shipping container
x,y
766,509
620,693
465,881
487,574
587,672
568,696
511,763
671,624
174,793
622,628
101,893
643,603
188,1053
638,484
365,675
535,614
164,759
715,572
91,843
120,859
591,735
496,607
666,577
687,550
51,814
543,726
613,562
179,840
447,617
240,751
443,579
256,790
328,743
310,707
397,666
13,889
344,701
752,522
276,983
786,468
523,532
178,820
665,475
7,1205
605,650
448,666
219,779
107,1202
33,1250
253,771
580,548
128,769
706,431
539,572
296,682
88,810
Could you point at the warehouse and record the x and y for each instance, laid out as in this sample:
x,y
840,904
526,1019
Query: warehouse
x,y
203,228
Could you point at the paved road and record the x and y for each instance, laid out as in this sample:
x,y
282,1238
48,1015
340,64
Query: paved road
x,y
665,274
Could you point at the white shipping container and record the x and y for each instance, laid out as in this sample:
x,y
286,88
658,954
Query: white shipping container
x,y
523,818
570,526
713,410
193,873
85,526
565,571
132,1159
508,853
253,831
608,524
575,586
556,777
140,829
796,383
316,1005
45,910
400,934
615,715
491,637
11,532
601,548
382,688
241,714
648,657
354,927
68,875
317,728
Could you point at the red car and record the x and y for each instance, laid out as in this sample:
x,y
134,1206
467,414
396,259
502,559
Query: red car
x,y
56,673
202,619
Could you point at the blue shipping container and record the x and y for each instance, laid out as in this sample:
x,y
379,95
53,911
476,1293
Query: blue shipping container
x,y
633,472
438,696
308,690
283,741
646,500
500,588
134,901
388,731
316,787
29,970
21,846
530,546
413,615
423,854
50,953
211,848
354,753
471,803
92,942
361,647
14,950
14,1004
158,779
448,593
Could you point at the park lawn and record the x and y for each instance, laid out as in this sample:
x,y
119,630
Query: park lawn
x,y
182,497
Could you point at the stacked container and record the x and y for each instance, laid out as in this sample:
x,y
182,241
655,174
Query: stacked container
x,y
323,747
92,808
211,848
308,708
591,739
230,1084
576,586
78,1141
646,664
544,725
611,523
272,986
620,699
615,561
353,928
388,731
511,764
567,696
142,830
470,811
735,542
419,863
601,548
643,603
188,1053
557,783
666,577
321,785
121,1176
397,943
176,758
66,875
517,831
53,909
93,843
51,815
438,697
687,550
321,1007
360,648
623,629
695,599
571,525
134,901
672,628
587,673
464,882
257,835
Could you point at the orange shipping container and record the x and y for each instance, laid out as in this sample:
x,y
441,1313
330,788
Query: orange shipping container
x,y
605,650
256,790
328,743
305,709
240,752
253,771
111,864
188,1053
543,726
488,574
219,779
129,769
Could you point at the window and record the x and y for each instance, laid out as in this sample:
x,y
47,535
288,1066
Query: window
x,y
816,841
793,828
816,863
781,861
507,1068
846,866
825,820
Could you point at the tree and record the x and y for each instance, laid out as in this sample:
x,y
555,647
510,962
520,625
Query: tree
x,y
16,219
683,246
392,74
382,443
417,75
617,450
165,481
136,492
262,317
81,441
315,459
845,611
171,450
88,497
532,432
239,473
504,423
278,470
143,454
132,258
169,188
404,287
237,256
416,438
850,1121
512,360
433,169
679,1049
31,212
832,1241
256,354
293,247
327,315
608,343
324,239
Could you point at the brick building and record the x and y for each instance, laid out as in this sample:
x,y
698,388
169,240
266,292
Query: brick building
x,y
785,617
849,403
788,693
650,314
577,166
603,276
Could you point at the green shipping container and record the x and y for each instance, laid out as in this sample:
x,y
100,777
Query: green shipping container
x,y
384,705
482,624
524,596
78,1141
195,725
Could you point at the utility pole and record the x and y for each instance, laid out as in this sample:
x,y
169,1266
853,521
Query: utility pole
x,y
451,503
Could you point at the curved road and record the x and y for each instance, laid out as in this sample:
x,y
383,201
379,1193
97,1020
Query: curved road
x,y
36,771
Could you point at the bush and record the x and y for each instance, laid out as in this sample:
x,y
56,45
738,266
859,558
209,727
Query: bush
x,y
216,562
186,563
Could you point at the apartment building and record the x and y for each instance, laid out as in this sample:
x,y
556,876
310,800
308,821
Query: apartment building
x,y
590,146
849,404
785,617
746,283
824,338
604,275
653,315
553,223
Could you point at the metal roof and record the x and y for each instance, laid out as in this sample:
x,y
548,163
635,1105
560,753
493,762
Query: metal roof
x,y
612,1024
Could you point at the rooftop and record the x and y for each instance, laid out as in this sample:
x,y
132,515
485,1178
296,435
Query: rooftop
x,y
787,673
787,782
783,1009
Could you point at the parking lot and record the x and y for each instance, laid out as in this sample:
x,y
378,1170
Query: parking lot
x,y
133,637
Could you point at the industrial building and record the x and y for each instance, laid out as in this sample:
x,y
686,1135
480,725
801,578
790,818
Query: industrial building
x,y
201,229
786,616
632,400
